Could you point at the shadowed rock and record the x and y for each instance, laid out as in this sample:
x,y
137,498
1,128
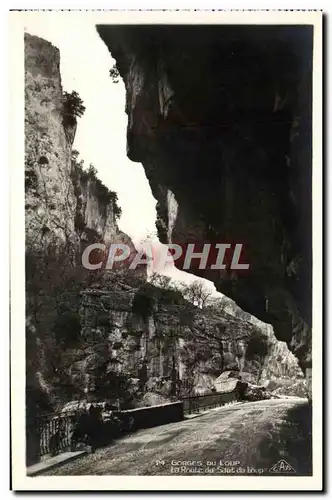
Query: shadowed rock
x,y
220,118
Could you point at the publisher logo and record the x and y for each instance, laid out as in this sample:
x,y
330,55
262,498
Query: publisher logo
x,y
281,467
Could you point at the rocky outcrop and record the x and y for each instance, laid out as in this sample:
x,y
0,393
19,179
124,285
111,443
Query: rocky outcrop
x,y
50,202
220,118
63,204
66,208
167,347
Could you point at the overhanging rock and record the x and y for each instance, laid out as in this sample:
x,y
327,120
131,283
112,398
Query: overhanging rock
x,y
220,118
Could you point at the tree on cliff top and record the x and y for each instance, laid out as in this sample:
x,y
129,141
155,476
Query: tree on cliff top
x,y
197,293
72,104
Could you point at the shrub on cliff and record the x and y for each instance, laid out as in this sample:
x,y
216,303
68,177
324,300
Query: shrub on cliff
x,y
73,105
114,74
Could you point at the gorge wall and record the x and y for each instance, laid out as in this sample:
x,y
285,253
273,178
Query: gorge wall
x,y
220,118
168,348
108,334
66,208
63,203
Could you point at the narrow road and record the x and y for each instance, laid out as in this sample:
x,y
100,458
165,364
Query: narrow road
x,y
244,438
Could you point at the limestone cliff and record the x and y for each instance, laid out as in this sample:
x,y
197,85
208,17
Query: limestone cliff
x,y
50,202
121,336
66,208
220,118
63,203
166,347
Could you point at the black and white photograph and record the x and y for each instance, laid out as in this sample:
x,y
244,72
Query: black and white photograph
x,y
166,314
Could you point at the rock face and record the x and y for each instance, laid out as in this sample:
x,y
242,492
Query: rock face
x,y
121,336
64,205
66,208
220,118
170,348
50,202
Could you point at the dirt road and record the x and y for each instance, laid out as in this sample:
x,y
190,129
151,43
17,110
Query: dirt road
x,y
244,438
